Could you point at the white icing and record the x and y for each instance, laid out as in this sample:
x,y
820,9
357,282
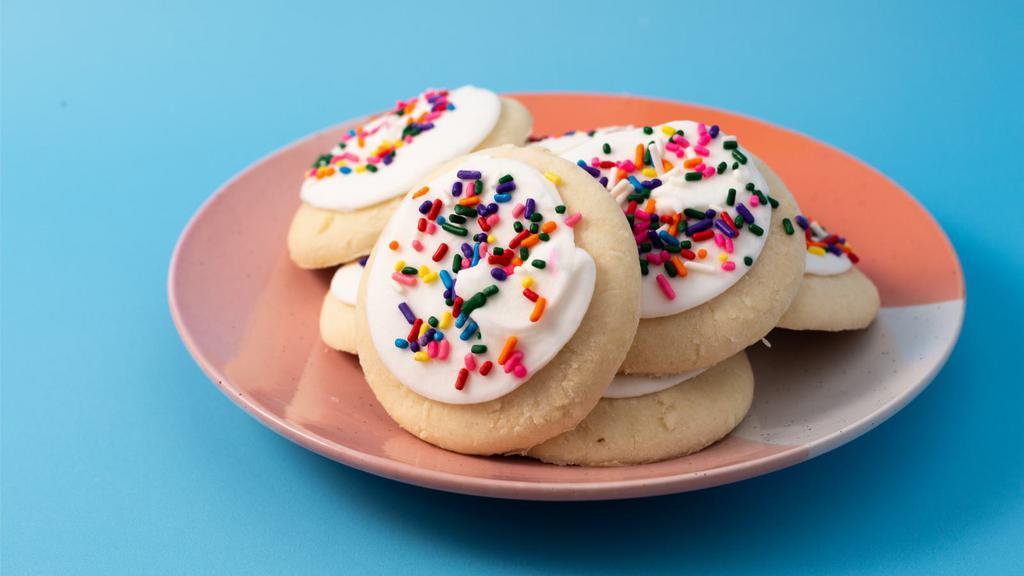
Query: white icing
x,y
706,278
345,282
455,132
568,141
567,282
632,385
827,264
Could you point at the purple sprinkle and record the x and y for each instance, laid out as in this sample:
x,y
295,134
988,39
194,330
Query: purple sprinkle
x,y
710,213
498,274
427,126
747,216
414,346
407,312
834,249
480,237
713,131
468,174
655,182
481,210
655,219
447,294
725,229
362,261
531,207
604,181
425,207
506,187
388,159
467,250
492,208
699,226
457,188
655,239
802,221
592,171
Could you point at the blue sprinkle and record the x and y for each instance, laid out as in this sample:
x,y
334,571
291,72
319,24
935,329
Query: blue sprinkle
x,y
469,331
438,336
668,238
346,170
461,320
502,198
401,343
446,279
636,184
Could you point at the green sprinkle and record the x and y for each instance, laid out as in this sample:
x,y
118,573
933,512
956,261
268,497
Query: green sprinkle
x,y
648,130
342,145
731,198
432,321
490,290
464,211
673,249
735,165
760,196
750,186
538,263
517,226
457,263
457,230
498,251
693,213
644,267
502,180
645,247
738,221
721,167
787,226
371,168
647,157
449,302
323,160
478,348
729,144
685,244
410,271
544,236
773,202
536,217
694,176
524,252
739,156
757,230
534,228
478,187
560,208
748,260
456,218
606,148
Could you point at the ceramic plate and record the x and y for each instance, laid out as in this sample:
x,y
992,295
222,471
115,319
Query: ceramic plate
x,y
249,317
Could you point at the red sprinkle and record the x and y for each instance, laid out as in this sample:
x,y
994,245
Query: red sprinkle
x,y
518,239
486,367
440,252
483,224
530,295
457,306
460,382
435,209
703,235
414,333
421,224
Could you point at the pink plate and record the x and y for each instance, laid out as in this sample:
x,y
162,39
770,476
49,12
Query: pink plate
x,y
249,317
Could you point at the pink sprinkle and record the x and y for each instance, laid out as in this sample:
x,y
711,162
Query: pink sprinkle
x,y
443,350
431,227
519,371
311,173
513,360
666,289
518,210
653,258
702,129
493,220
628,166
719,240
431,116
403,279
728,266
408,139
510,270
704,139
351,156
755,201
432,349
671,146
595,162
701,150
373,160
417,245
346,137
642,215
470,360
683,142
699,167
709,172
483,250
571,221
728,245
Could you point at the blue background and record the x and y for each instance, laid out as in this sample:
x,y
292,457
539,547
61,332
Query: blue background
x,y
118,120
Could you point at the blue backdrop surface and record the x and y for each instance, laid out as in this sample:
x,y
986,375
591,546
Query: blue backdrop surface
x,y
118,120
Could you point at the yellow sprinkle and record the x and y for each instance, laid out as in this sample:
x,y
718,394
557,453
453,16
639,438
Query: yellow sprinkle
x,y
553,178
649,172
446,320
399,143
430,278
491,239
423,329
816,250
668,130
527,281
424,271
399,265
723,257
360,168
421,356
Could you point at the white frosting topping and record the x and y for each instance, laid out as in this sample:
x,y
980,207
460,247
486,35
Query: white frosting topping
x,y
570,140
345,282
722,166
821,261
451,123
632,385
562,288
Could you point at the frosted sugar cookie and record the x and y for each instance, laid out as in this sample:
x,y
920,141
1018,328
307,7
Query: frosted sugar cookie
x,y
650,418
352,189
338,312
569,140
709,220
834,295
498,303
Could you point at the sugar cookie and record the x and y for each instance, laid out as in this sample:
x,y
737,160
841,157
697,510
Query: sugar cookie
x,y
834,295
710,222
498,303
338,313
351,190
657,422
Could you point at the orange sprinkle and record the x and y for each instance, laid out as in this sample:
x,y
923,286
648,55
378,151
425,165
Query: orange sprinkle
x,y
393,245
702,253
673,229
507,349
549,227
517,261
470,201
691,162
650,206
639,159
680,267
666,165
530,240
421,192
538,309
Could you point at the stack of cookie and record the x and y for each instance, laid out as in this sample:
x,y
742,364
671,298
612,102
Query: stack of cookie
x,y
586,299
